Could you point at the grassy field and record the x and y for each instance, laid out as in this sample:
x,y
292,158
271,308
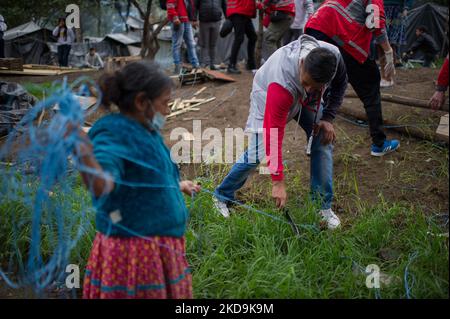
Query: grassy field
x,y
251,255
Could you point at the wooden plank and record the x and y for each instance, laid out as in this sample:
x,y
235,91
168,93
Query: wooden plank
x,y
402,100
175,104
191,108
216,75
36,72
182,111
200,91
194,101
442,129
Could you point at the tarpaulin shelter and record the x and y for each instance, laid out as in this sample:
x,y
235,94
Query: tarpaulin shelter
x,y
435,19
29,41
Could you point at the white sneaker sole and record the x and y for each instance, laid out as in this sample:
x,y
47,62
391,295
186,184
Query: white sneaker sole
x,y
224,211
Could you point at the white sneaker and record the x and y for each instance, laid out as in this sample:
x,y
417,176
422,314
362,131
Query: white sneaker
x,y
330,218
221,207
385,84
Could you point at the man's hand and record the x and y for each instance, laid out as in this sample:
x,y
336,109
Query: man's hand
x,y
176,21
189,187
389,68
437,100
195,24
279,193
328,133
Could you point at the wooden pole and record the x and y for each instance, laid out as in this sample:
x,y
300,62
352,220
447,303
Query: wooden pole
x,y
402,100
425,134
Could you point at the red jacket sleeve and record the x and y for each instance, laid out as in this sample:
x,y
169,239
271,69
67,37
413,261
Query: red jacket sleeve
x,y
442,82
380,32
172,9
278,104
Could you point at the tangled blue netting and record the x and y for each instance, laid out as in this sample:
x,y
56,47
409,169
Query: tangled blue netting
x,y
42,213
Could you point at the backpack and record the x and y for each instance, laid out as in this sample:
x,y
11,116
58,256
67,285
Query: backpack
x,y
163,4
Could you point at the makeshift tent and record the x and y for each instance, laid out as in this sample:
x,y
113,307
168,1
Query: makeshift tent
x,y
119,42
435,18
28,41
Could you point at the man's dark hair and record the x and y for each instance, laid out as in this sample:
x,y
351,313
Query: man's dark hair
x,y
92,49
320,64
422,28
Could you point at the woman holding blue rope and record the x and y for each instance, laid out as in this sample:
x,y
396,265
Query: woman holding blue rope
x,y
139,249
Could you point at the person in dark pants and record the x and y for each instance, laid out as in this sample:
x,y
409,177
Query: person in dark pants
x,y
303,10
210,16
424,43
332,25
3,28
65,38
240,13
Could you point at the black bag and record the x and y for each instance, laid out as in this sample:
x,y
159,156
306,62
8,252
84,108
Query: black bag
x,y
163,4
278,16
226,28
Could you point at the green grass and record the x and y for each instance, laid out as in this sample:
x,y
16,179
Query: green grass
x,y
40,90
253,256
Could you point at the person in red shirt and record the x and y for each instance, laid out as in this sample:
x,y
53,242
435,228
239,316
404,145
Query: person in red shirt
x,y
241,13
351,25
183,18
438,98
278,17
304,81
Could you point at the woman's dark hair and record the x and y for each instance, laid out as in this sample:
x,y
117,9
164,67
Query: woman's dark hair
x,y
122,86
320,64
422,28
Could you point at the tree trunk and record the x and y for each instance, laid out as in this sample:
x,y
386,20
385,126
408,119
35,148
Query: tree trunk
x,y
99,19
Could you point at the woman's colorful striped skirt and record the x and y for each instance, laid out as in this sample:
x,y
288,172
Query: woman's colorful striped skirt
x,y
154,267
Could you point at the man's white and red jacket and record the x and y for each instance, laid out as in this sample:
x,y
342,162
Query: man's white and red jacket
x,y
277,96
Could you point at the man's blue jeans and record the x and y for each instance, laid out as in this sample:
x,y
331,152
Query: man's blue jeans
x,y
321,170
184,32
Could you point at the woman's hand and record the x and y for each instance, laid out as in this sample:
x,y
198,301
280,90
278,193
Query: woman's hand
x,y
189,188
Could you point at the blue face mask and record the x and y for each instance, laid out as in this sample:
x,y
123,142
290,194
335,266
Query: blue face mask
x,y
158,121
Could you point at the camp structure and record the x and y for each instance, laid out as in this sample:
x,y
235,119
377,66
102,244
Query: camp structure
x,y
29,42
435,19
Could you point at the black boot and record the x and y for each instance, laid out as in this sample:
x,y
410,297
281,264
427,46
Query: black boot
x,y
212,67
233,70
250,66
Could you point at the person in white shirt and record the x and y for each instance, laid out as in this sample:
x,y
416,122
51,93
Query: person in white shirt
x,y
65,38
93,60
303,10
3,28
